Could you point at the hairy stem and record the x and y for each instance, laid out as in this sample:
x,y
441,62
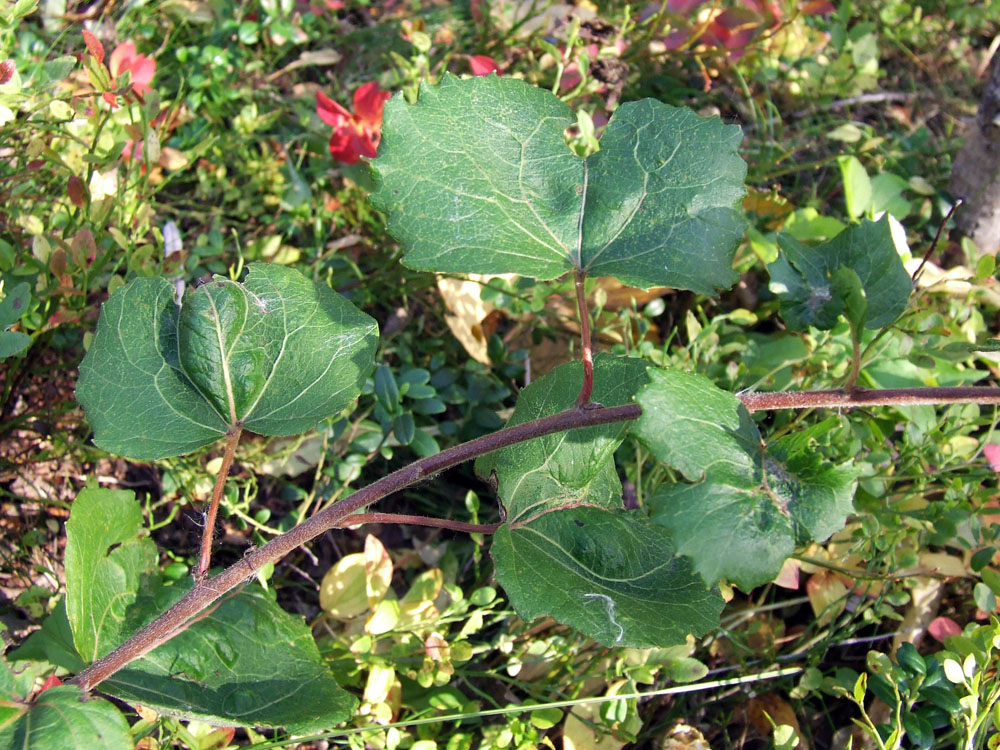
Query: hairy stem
x,y
204,593
439,523
588,355
232,439
852,378
859,397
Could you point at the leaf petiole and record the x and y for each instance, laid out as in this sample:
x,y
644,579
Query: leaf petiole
x,y
232,439
588,354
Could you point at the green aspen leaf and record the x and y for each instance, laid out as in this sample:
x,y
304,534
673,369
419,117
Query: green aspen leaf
x,y
572,467
246,662
477,177
847,286
63,717
690,424
733,533
804,277
275,354
611,574
747,508
107,554
53,643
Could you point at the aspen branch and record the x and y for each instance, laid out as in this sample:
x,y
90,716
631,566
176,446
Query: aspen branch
x,y
860,397
359,519
204,593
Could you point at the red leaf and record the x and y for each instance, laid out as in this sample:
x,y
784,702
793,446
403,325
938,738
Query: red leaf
x,y
483,65
50,682
329,111
818,8
369,104
75,190
94,46
57,262
356,134
7,68
992,453
943,627
342,147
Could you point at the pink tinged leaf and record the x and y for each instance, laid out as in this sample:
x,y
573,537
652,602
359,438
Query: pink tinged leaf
x,y
75,191
992,453
7,68
788,578
94,46
483,65
120,57
141,68
476,10
132,150
57,262
827,595
818,8
436,647
83,247
943,627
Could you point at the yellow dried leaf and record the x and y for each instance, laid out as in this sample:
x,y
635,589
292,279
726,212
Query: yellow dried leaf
x,y
468,311
342,591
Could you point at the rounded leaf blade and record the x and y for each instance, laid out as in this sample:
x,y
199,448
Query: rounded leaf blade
x,y
137,399
477,177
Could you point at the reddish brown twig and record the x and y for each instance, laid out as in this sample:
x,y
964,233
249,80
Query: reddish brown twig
x,y
588,355
232,439
866,397
438,523
204,593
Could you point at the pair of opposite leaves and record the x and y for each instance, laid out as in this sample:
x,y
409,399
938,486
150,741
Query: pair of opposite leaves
x,y
476,177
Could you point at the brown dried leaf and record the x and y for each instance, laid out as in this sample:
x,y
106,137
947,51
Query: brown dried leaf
x,y
468,311
766,711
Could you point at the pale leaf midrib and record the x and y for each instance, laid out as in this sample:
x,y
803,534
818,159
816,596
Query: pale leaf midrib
x,y
225,361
